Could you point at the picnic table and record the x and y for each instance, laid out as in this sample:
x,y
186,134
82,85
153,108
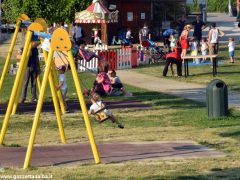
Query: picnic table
x,y
187,58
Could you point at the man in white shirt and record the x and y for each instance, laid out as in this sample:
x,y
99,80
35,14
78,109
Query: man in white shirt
x,y
213,37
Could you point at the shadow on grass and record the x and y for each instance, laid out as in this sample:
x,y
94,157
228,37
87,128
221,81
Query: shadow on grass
x,y
216,173
235,134
159,99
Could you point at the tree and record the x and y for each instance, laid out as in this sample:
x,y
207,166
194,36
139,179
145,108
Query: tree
x,y
52,11
212,5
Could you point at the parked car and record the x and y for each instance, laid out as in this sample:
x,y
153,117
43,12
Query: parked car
x,y
8,28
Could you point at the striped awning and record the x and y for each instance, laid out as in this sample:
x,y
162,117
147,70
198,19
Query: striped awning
x,y
96,13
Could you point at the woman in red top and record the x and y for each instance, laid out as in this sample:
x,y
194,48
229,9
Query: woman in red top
x,y
184,40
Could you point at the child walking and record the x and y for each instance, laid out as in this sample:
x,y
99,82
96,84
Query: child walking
x,y
63,84
204,48
231,49
98,105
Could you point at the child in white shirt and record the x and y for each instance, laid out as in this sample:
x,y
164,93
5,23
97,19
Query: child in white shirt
x,y
231,49
204,48
173,42
63,84
98,105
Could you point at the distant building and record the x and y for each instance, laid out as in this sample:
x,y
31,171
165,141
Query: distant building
x,y
158,14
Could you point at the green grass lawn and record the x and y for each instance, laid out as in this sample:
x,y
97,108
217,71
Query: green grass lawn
x,y
170,119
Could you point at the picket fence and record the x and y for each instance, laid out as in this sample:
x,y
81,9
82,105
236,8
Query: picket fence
x,y
124,58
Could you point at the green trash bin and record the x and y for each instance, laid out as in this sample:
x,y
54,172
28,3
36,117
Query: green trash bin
x,y
217,99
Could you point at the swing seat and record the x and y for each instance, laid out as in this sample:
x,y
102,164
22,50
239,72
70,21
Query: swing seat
x,y
101,115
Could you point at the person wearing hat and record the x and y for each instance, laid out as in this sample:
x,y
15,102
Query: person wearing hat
x,y
184,40
63,84
33,70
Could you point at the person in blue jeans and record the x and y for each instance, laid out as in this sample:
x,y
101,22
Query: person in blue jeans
x,y
33,70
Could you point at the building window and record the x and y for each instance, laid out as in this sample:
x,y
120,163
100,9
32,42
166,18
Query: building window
x,y
142,16
129,16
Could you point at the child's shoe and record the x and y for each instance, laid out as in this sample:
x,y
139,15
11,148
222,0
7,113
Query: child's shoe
x,y
120,126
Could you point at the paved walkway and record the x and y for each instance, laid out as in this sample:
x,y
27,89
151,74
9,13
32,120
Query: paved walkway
x,y
196,92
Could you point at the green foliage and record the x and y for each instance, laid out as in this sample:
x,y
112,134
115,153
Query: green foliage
x,y
212,5
51,11
217,5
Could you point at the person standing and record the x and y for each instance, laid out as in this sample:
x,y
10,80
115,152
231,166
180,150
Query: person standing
x,y
213,37
184,40
128,36
78,34
204,48
144,33
33,70
74,32
180,25
231,49
198,25
50,29
63,84
166,35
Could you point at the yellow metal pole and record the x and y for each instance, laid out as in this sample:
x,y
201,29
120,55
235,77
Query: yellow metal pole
x,y
55,102
15,86
39,82
21,81
84,108
59,94
38,110
5,68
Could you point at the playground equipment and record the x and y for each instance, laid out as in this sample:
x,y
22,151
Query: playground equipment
x,y
101,115
23,21
59,42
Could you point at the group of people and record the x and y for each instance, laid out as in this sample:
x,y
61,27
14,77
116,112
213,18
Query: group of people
x,y
107,82
178,46
103,85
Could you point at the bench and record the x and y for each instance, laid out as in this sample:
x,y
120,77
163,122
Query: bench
x,y
214,62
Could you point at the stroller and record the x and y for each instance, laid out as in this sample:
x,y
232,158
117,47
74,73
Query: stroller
x,y
156,52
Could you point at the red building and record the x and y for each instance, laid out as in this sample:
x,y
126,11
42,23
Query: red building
x,y
158,14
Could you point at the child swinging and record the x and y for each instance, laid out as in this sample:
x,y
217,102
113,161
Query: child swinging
x,y
100,112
